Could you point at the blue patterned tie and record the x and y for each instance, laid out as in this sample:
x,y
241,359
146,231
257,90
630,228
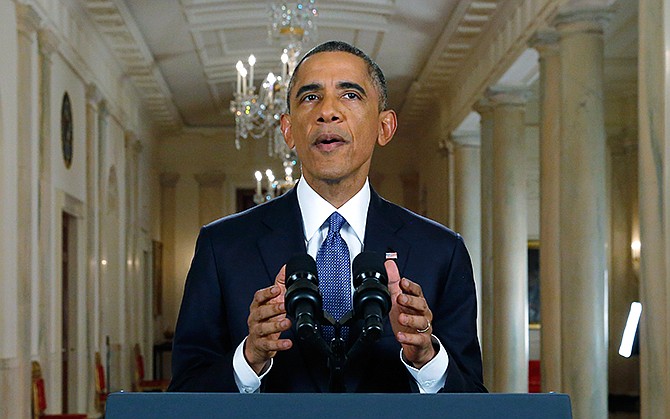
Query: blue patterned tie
x,y
332,264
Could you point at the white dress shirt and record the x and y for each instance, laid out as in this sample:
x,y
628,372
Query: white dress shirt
x,y
315,212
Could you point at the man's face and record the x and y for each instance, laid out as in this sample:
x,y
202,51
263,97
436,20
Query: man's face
x,y
335,121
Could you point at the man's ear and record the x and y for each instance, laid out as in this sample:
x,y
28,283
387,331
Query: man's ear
x,y
388,122
285,122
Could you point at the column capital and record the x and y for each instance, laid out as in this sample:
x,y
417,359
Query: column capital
x,y
445,147
463,138
169,179
483,107
215,179
27,19
545,42
582,19
501,95
48,41
93,94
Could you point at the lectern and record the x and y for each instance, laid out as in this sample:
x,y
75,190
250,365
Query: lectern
x,y
337,406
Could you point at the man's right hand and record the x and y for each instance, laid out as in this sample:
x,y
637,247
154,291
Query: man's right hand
x,y
267,319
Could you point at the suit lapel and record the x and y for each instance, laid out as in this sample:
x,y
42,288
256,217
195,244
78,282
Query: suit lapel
x,y
381,231
285,236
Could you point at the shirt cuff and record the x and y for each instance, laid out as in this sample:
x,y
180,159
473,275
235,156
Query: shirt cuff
x,y
245,377
432,376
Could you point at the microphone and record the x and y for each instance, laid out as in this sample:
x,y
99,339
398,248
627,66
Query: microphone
x,y
372,300
304,304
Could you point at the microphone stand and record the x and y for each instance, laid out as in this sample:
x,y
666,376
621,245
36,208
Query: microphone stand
x,y
335,351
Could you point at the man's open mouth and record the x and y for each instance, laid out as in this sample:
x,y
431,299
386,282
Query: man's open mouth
x,y
328,139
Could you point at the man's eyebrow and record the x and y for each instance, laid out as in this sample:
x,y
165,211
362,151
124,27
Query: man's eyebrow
x,y
308,88
351,85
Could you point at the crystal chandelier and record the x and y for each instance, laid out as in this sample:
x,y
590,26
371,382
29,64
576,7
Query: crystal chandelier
x,y
274,187
258,112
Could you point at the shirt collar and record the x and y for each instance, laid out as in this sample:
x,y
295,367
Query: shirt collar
x,y
316,210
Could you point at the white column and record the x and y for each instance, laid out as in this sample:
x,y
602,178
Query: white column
x,y
93,99
19,231
48,328
654,175
546,43
485,111
510,241
132,284
210,196
583,213
468,204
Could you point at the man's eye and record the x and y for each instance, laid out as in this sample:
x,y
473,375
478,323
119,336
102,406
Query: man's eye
x,y
310,97
351,95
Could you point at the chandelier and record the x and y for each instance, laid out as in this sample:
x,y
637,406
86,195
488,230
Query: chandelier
x,y
257,112
274,187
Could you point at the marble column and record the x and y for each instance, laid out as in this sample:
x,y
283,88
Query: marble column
x,y
654,175
510,237
485,111
93,100
27,255
133,286
468,203
45,345
583,213
171,299
546,43
210,196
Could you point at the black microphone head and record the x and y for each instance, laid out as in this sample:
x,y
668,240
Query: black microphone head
x,y
299,266
369,264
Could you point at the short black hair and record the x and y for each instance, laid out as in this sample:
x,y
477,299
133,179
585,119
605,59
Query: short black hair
x,y
376,74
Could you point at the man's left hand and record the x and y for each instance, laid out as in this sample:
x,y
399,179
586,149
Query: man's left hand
x,y
410,318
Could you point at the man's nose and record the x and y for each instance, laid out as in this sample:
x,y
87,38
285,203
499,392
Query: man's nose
x,y
329,111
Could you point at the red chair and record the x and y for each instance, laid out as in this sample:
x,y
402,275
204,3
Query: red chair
x,y
101,390
40,399
534,377
140,384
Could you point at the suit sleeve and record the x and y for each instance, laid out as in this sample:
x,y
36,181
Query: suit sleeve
x,y
202,355
455,324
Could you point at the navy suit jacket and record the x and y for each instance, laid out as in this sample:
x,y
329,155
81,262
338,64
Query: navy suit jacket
x,y
242,253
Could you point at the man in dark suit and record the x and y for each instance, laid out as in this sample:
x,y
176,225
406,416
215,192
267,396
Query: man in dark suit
x,y
233,333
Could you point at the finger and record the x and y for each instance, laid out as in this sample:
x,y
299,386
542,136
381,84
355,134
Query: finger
x,y
394,278
280,279
419,340
271,345
264,295
413,304
269,328
411,287
267,311
415,322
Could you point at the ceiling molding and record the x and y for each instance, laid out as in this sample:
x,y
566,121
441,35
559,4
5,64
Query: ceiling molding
x,y
120,32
